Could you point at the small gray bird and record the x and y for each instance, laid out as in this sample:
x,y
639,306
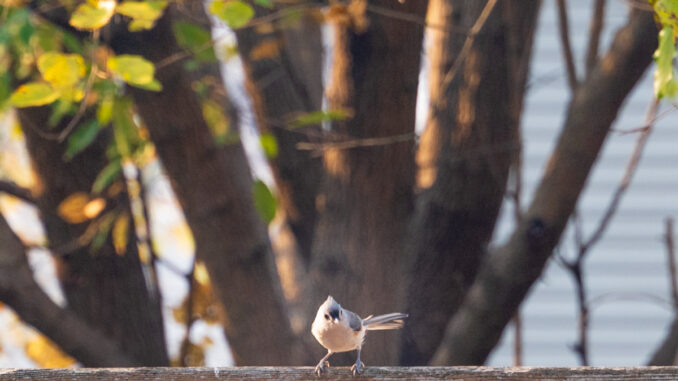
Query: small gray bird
x,y
340,330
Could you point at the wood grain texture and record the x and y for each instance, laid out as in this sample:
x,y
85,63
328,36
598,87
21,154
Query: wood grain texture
x,y
341,373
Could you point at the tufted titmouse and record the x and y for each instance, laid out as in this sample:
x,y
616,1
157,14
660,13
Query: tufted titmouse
x,y
340,330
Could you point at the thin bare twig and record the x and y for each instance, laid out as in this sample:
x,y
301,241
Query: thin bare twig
x,y
576,266
596,28
671,259
356,143
404,16
475,29
564,33
631,167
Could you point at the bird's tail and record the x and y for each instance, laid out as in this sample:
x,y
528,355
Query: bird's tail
x,y
389,321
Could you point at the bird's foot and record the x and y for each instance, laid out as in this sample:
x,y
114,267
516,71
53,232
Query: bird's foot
x,y
357,367
321,367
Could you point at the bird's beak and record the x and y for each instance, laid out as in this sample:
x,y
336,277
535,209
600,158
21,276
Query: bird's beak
x,y
335,320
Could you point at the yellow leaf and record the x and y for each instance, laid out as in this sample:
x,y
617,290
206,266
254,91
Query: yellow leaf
x,y
94,207
200,274
143,13
61,70
34,94
93,14
265,49
46,354
120,233
133,69
72,209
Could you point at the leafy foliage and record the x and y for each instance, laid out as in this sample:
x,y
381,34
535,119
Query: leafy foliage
x,y
666,12
235,13
264,201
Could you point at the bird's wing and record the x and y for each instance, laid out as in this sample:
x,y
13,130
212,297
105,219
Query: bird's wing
x,y
354,321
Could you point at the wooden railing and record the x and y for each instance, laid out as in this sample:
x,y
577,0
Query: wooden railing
x,y
342,373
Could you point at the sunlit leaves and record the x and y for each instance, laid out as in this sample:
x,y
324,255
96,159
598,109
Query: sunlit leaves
x,y
135,70
79,207
61,70
34,94
234,13
143,13
664,76
264,201
107,175
120,233
92,15
81,138
666,12
195,39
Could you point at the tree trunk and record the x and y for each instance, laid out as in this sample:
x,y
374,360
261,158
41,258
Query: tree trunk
x,y
508,274
366,200
105,289
464,157
214,187
284,79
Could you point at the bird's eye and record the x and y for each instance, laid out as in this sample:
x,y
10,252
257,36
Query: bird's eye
x,y
327,317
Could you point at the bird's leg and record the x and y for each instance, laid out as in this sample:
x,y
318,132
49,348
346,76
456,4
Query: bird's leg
x,y
358,366
323,363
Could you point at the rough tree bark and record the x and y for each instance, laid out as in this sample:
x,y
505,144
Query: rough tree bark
x,y
464,156
214,187
366,200
105,289
283,65
508,273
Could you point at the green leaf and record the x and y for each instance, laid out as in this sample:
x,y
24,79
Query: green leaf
x,y
81,138
143,13
667,12
269,144
317,117
134,70
195,39
235,13
664,77
125,130
92,14
105,110
33,94
264,201
61,70
264,3
216,120
107,176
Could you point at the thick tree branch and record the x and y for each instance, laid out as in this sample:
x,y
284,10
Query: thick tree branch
x,y
283,83
13,189
214,187
509,272
19,290
462,193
